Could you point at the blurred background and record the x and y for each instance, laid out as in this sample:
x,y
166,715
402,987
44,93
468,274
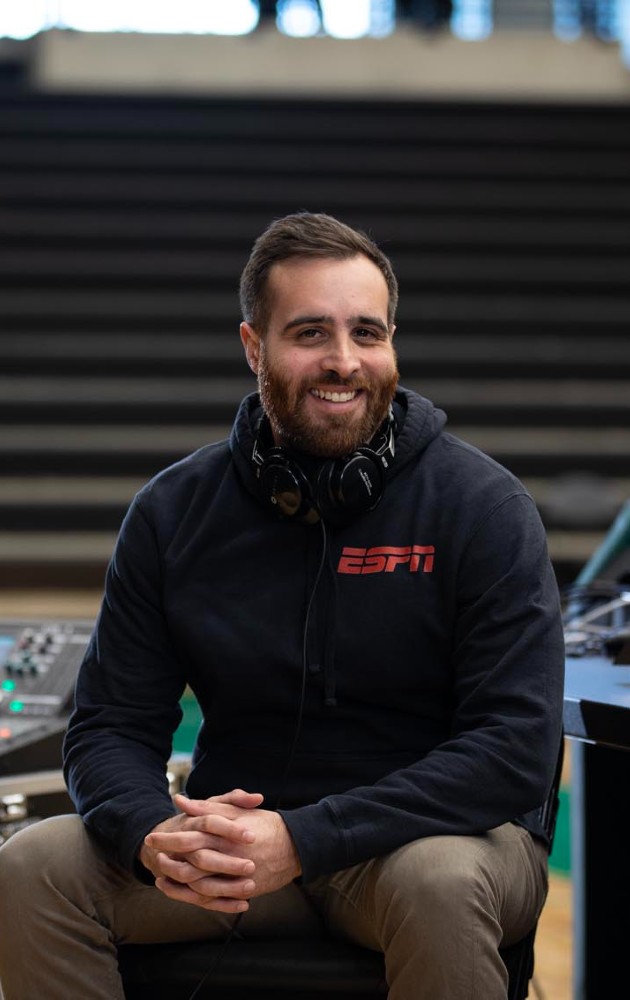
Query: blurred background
x,y
143,147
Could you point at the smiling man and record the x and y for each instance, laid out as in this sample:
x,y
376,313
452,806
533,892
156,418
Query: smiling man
x,y
365,609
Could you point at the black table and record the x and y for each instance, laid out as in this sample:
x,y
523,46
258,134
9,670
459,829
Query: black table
x,y
597,717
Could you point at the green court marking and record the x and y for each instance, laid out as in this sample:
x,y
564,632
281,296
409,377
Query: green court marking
x,y
560,860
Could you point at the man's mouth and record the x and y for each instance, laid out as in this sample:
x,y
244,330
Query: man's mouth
x,y
335,396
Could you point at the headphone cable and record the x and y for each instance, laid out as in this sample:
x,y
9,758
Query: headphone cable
x,y
300,714
290,759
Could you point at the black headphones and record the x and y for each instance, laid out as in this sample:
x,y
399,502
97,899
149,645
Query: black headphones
x,y
339,489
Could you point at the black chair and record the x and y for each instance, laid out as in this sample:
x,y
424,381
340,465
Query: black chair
x,y
260,970
318,969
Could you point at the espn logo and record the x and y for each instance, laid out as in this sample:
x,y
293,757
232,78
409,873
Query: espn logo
x,y
386,558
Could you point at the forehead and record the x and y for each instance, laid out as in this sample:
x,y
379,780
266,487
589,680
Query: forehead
x,y
314,285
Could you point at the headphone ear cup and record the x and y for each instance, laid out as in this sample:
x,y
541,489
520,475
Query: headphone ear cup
x,y
350,486
338,491
286,487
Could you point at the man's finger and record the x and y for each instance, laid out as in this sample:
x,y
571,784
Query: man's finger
x,y
200,864
224,836
215,901
241,798
237,797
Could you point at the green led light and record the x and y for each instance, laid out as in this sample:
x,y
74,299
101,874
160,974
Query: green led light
x,y
16,706
8,685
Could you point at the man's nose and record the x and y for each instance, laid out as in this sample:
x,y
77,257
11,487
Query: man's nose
x,y
342,357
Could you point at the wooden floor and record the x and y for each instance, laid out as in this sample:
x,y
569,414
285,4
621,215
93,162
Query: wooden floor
x,y
552,979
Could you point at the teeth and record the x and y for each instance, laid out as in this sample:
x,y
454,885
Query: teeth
x,y
335,397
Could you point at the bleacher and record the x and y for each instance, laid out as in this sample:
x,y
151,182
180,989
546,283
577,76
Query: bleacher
x,y
125,222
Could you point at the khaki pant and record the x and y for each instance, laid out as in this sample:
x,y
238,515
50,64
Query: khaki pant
x,y
438,908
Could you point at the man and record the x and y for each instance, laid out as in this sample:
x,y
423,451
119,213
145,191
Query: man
x,y
366,612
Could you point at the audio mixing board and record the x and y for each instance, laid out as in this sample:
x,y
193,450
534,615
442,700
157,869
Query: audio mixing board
x,y
39,661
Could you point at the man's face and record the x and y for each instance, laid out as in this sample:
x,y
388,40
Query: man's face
x,y
326,364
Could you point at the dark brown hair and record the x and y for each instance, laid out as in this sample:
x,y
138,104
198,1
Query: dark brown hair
x,y
305,235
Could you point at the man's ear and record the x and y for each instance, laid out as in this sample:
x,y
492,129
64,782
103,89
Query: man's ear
x,y
251,343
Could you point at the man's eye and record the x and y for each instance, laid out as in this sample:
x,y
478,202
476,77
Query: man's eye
x,y
309,333
364,334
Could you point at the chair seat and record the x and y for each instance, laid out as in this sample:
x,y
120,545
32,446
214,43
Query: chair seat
x,y
260,970
304,968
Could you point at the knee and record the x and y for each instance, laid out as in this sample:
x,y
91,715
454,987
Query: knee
x,y
444,876
35,853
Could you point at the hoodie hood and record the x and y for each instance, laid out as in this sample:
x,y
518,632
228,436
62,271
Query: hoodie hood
x,y
418,422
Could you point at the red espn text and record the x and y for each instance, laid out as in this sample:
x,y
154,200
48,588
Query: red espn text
x,y
386,558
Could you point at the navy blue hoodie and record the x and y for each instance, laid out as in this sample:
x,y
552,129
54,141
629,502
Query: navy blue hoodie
x,y
432,654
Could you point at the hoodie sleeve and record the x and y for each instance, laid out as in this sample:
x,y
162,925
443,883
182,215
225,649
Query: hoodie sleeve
x,y
507,666
126,703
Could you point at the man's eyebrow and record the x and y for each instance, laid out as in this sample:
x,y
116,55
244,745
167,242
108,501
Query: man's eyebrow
x,y
303,320
354,321
370,321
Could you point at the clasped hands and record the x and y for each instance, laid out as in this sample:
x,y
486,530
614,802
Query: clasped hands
x,y
218,853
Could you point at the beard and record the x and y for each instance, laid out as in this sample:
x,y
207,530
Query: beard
x,y
334,436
